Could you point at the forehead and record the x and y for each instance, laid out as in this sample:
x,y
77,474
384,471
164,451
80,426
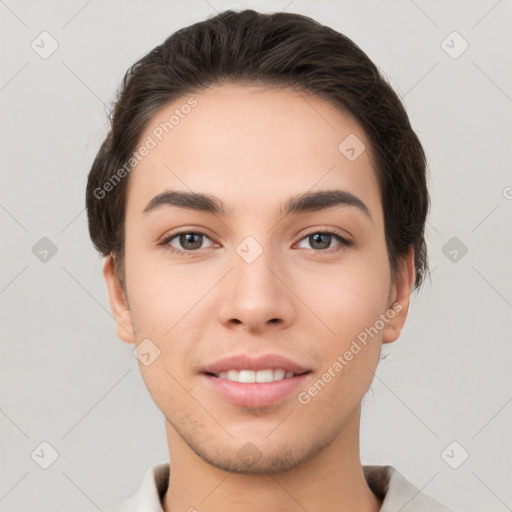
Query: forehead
x,y
250,144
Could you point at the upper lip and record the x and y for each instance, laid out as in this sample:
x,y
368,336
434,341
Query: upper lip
x,y
245,362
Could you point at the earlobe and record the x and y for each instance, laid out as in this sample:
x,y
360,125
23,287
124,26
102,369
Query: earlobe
x,y
399,307
118,302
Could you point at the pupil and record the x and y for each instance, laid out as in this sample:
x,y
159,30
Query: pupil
x,y
188,238
315,238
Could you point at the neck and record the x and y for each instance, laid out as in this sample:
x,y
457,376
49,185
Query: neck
x,y
332,480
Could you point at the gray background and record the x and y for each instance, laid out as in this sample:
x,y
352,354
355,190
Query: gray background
x,y
64,376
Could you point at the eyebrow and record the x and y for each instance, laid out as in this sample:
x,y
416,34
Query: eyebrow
x,y
302,203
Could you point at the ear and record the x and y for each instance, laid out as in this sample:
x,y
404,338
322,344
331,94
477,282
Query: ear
x,y
118,302
401,291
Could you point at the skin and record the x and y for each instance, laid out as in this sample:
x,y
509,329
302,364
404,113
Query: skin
x,y
254,148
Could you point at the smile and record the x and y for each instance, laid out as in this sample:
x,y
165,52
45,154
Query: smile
x,y
249,376
250,393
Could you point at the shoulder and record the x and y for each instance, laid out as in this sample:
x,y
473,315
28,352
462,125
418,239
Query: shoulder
x,y
398,493
149,496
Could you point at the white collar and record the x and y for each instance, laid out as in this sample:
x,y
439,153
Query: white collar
x,y
385,481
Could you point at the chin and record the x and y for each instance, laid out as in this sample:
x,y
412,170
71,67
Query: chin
x,y
261,457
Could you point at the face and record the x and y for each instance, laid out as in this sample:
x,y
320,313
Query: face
x,y
256,279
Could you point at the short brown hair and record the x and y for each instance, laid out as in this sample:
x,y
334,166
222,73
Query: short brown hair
x,y
278,50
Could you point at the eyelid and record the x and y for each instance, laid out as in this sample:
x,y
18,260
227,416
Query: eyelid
x,y
166,239
344,242
329,231
185,230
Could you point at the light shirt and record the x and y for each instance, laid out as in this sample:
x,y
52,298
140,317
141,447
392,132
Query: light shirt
x,y
386,482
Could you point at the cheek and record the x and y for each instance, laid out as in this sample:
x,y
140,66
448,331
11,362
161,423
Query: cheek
x,y
160,294
166,307
349,301
346,299
350,353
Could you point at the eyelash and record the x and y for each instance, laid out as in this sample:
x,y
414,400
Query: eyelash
x,y
343,242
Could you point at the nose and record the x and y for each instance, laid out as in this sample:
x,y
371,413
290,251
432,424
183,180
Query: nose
x,y
257,296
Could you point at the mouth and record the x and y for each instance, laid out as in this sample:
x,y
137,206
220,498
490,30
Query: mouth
x,y
255,382
259,376
255,389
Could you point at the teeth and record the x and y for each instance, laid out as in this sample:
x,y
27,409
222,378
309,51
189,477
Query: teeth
x,y
280,374
247,376
263,376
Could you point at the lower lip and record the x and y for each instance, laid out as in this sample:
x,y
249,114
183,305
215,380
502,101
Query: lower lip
x,y
255,394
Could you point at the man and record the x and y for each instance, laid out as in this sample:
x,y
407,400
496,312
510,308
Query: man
x,y
260,201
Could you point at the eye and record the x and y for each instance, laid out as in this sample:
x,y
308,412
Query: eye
x,y
321,240
187,241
